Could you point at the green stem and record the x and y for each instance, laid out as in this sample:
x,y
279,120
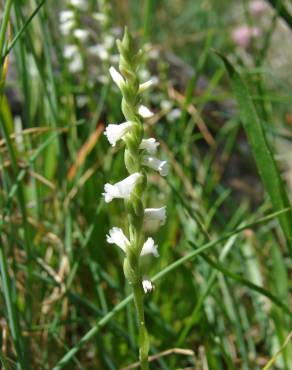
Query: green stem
x,y
12,312
4,25
143,334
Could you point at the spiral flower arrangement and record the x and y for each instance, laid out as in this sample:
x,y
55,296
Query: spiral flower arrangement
x,y
139,156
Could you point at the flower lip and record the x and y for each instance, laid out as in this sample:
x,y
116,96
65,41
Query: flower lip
x,y
155,214
121,189
150,145
149,247
147,285
156,164
115,132
116,236
145,112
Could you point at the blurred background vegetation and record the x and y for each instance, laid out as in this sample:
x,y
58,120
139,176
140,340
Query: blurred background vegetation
x,y
228,308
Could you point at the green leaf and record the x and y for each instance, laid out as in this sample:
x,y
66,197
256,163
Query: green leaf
x,y
265,162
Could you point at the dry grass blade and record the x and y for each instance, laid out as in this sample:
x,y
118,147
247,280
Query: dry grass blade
x,y
168,352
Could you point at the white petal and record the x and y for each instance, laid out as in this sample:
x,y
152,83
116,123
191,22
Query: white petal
x,y
147,285
79,4
145,112
150,145
66,15
156,164
155,214
76,64
116,236
81,35
166,105
67,27
69,51
121,189
150,247
116,132
100,17
174,114
100,51
117,77
146,85
109,41
111,192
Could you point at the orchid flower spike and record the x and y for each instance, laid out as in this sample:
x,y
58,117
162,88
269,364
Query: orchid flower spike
x,y
156,164
145,112
148,286
150,145
115,132
155,214
117,77
122,189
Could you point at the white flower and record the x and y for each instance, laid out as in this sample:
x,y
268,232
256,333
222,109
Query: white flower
x,y
66,15
174,114
115,58
166,105
80,34
100,51
149,247
116,236
76,65
100,17
79,4
116,132
121,189
144,74
67,27
109,41
153,54
150,145
148,286
156,164
117,77
81,100
145,112
70,51
146,85
155,214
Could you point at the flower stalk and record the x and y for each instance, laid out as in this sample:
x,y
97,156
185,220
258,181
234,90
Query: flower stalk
x,y
132,188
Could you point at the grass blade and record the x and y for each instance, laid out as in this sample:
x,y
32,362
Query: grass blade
x,y
4,25
265,162
22,30
218,266
282,11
